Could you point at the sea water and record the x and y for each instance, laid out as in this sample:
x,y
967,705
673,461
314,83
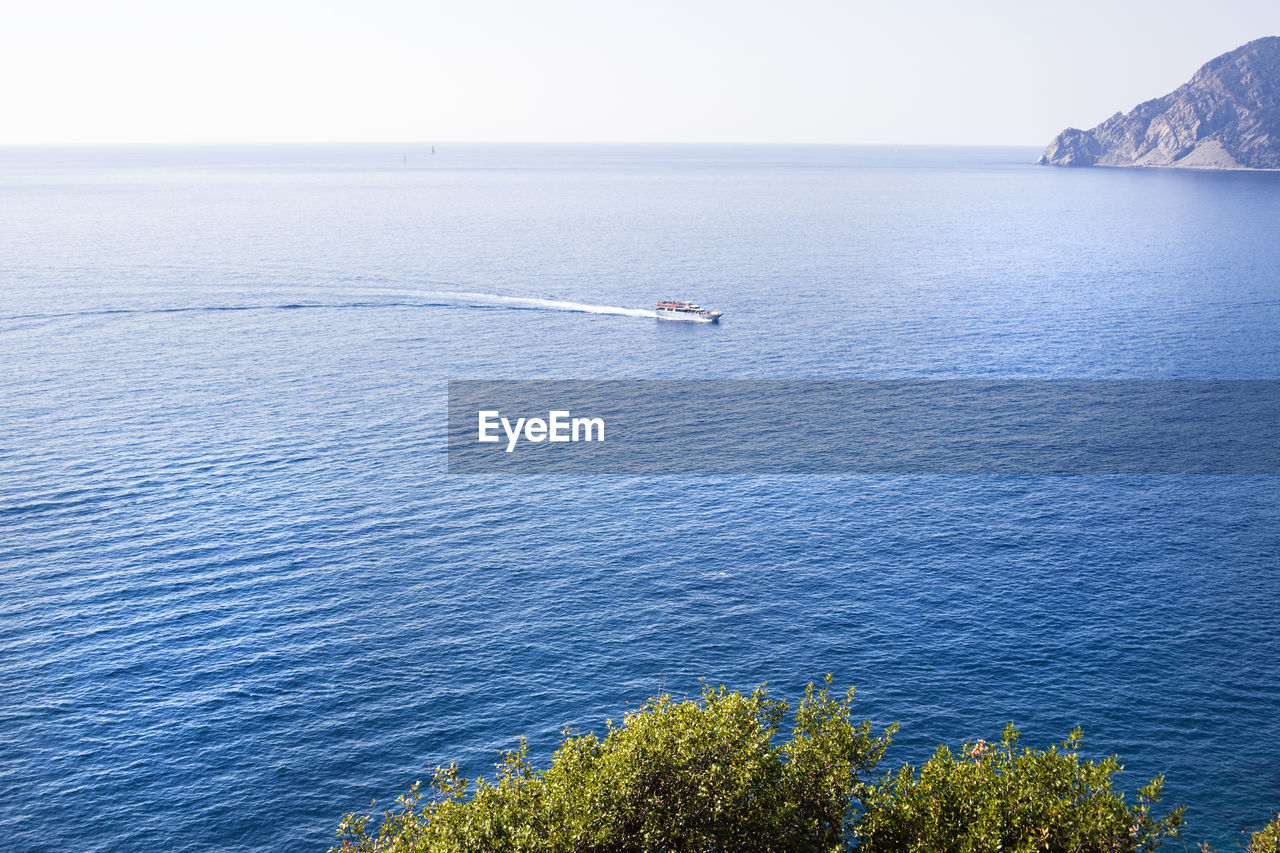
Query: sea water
x,y
240,595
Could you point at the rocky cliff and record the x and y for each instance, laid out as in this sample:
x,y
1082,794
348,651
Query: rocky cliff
x,y
1226,117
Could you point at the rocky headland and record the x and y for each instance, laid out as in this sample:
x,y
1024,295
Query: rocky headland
x,y
1227,116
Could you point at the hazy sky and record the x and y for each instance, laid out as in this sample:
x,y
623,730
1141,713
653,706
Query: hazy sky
x,y
596,70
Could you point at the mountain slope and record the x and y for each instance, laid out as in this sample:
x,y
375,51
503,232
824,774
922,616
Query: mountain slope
x,y
1227,116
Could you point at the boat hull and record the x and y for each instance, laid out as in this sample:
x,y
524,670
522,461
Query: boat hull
x,y
689,316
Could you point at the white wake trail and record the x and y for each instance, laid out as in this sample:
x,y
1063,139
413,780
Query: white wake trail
x,y
498,300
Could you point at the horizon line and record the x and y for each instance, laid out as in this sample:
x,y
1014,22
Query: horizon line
x,y
530,142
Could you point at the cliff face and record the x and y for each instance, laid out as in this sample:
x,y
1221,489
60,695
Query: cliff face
x,y
1227,116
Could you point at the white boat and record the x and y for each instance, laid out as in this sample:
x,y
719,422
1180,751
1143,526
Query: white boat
x,y
672,310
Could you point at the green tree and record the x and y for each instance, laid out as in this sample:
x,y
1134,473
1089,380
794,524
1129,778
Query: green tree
x,y
1001,798
1267,839
710,774
705,774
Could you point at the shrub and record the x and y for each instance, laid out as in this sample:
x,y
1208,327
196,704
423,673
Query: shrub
x,y
1267,839
1001,798
709,774
700,775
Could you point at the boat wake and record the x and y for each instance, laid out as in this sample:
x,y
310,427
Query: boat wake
x,y
390,299
498,300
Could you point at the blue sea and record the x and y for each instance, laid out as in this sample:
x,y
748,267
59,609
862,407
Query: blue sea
x,y
241,595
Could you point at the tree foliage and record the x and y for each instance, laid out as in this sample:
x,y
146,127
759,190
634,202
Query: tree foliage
x,y
714,773
705,774
1002,798
1267,839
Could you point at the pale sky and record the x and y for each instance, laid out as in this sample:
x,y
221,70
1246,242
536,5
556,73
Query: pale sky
x,y
988,72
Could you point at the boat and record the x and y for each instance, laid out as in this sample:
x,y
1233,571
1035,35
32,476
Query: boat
x,y
671,310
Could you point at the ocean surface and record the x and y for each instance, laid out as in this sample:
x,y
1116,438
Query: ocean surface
x,y
240,595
